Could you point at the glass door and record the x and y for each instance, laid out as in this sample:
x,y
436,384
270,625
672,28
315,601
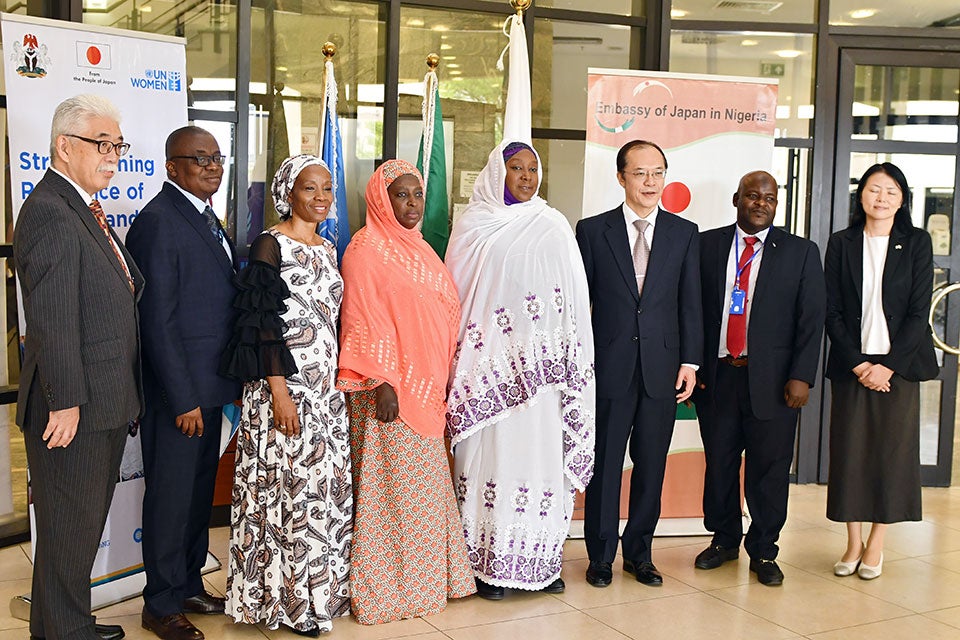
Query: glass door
x,y
902,107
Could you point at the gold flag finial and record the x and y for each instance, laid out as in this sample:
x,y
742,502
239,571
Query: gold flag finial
x,y
329,50
521,5
433,61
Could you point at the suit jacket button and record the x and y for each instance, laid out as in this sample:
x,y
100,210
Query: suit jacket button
x,y
635,338
639,310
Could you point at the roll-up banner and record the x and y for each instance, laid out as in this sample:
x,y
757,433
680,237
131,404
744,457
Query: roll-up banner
x,y
713,130
144,75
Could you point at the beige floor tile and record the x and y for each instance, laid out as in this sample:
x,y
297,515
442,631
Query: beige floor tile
x,y
220,543
217,581
814,550
130,607
942,517
921,539
13,634
808,604
214,627
14,564
913,584
949,616
693,615
678,541
949,560
677,563
475,610
624,588
574,550
562,626
10,589
896,629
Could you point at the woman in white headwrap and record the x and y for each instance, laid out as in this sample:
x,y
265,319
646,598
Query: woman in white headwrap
x,y
521,406
292,513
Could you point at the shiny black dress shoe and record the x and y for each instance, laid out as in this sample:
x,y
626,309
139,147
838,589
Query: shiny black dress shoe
x,y
312,632
105,631
645,572
600,574
714,556
557,586
204,602
488,591
767,571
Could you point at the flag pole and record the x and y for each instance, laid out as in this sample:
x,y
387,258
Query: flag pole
x,y
521,6
430,82
329,50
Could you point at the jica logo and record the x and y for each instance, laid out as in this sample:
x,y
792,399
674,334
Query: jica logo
x,y
138,535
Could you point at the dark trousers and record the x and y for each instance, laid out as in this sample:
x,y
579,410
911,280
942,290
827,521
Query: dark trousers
x,y
180,473
72,489
728,429
648,425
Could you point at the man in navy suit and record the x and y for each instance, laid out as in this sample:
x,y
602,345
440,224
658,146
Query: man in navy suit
x,y
186,318
762,348
643,270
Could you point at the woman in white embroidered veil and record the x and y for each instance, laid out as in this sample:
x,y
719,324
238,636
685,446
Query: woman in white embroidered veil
x,y
521,405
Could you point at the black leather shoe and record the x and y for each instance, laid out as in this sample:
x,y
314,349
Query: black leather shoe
x,y
172,627
599,574
645,572
714,556
204,602
767,571
557,586
312,632
488,591
105,631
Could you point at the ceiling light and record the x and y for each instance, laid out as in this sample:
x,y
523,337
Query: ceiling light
x,y
456,78
676,14
455,72
453,65
446,47
441,27
146,9
749,43
788,53
414,22
863,14
449,57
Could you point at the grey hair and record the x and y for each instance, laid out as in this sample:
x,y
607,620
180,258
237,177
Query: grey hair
x,y
72,113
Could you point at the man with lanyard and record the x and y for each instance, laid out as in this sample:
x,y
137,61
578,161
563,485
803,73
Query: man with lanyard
x,y
763,312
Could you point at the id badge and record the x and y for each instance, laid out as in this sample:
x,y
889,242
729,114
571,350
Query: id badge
x,y
738,301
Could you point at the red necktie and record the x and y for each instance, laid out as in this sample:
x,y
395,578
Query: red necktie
x,y
97,211
737,323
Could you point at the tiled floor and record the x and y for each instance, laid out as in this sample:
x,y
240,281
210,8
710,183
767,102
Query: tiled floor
x,y
917,596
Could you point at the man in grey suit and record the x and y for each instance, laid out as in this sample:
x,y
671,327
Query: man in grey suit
x,y
80,381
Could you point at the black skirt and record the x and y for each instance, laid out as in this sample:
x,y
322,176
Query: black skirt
x,y
874,452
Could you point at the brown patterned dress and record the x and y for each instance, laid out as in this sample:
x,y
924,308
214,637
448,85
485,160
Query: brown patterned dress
x,y
291,517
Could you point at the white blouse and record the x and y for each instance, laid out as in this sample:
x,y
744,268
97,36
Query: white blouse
x,y
874,334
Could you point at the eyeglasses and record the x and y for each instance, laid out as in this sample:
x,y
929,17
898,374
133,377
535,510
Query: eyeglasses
x,y
203,161
656,174
104,146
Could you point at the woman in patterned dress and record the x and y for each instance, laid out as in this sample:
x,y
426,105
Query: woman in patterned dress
x,y
291,517
521,412
400,320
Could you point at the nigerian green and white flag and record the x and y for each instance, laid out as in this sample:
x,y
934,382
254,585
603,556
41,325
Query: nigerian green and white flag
x,y
432,163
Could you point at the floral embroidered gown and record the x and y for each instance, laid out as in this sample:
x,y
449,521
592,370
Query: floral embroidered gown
x,y
291,517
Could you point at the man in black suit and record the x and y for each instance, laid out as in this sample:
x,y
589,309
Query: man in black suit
x,y
763,311
80,380
643,270
186,319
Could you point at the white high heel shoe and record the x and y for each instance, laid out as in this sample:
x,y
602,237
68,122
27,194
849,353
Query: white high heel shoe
x,y
866,572
843,569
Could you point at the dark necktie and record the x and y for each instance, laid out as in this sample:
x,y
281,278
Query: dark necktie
x,y
212,223
97,211
737,324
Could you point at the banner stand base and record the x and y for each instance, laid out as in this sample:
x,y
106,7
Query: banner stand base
x,y
108,594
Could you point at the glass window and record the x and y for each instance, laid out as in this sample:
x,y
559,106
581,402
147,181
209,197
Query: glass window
x,y
211,33
472,90
800,11
286,92
791,167
895,13
906,103
562,185
562,52
616,7
789,57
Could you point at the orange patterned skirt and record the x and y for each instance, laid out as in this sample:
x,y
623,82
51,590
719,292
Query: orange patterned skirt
x,y
409,554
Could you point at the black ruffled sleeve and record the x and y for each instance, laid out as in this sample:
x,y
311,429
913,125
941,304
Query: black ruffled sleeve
x,y
257,348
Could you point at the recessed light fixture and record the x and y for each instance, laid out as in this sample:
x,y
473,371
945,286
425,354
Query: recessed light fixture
x,y
788,53
453,65
441,27
676,14
749,43
456,78
446,47
455,72
146,9
449,57
863,14
414,22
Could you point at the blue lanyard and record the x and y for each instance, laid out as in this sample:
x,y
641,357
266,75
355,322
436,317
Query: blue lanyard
x,y
736,247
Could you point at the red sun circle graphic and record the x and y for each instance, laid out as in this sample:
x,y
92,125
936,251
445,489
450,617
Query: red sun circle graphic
x,y
93,55
676,197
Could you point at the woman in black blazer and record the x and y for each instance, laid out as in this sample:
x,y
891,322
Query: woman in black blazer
x,y
879,274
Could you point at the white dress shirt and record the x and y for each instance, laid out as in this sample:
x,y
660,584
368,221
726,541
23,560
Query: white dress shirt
x,y
88,200
874,333
732,260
